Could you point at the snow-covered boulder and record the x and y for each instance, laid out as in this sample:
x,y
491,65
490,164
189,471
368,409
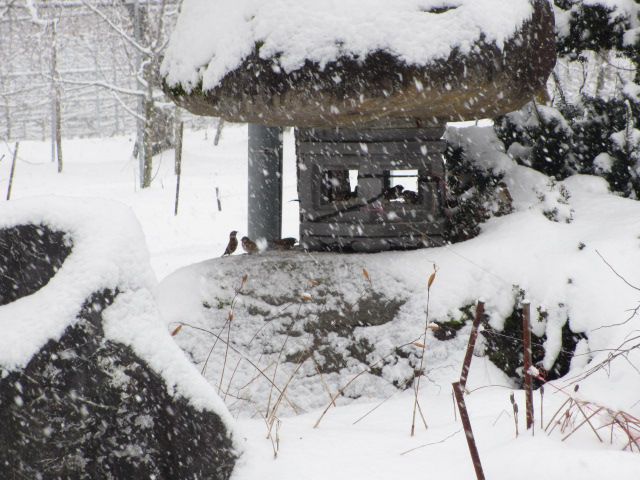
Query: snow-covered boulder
x,y
91,383
354,62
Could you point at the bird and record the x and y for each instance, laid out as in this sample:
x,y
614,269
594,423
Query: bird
x,y
232,245
410,197
282,243
393,193
249,245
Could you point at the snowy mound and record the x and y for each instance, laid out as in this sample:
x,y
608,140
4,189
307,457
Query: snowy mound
x,y
81,333
312,322
310,63
108,253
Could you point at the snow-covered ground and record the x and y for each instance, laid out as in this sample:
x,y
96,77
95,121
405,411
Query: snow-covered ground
x,y
555,262
105,168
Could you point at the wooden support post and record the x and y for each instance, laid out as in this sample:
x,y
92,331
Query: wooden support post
x,y
13,170
472,344
265,182
178,162
458,391
528,381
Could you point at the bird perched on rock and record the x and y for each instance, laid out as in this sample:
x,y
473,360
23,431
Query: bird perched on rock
x,y
282,243
249,245
232,245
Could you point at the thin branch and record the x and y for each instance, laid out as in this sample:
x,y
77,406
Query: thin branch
x,y
142,49
96,83
432,443
616,273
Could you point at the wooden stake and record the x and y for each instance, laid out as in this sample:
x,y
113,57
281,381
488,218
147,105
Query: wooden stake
x,y
458,391
218,199
528,383
13,169
472,344
219,128
178,162
541,407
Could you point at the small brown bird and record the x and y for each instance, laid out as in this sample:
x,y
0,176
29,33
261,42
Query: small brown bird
x,y
282,243
410,197
249,246
232,245
393,193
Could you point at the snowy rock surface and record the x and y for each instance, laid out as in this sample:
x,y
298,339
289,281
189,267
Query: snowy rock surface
x,y
213,38
84,359
309,63
563,276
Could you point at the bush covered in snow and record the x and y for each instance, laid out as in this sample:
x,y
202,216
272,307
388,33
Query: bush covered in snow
x,y
589,128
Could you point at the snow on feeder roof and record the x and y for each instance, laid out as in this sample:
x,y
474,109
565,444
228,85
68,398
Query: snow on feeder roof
x,y
355,62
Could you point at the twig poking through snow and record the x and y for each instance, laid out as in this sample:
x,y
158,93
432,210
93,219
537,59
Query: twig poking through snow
x,y
432,443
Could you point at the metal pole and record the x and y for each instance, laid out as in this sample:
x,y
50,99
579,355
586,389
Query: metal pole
x,y
265,182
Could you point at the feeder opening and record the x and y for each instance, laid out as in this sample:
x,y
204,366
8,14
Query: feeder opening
x,y
401,186
338,186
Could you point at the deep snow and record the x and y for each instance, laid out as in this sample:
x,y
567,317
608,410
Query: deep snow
x,y
524,248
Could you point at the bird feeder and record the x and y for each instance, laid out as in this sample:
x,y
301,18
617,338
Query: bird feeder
x,y
370,189
369,90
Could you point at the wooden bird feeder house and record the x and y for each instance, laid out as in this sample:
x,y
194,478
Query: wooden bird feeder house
x,y
369,119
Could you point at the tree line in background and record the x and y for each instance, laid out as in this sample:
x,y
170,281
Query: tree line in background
x,y
87,67
590,125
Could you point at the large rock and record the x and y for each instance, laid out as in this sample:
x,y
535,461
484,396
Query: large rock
x,y
91,385
480,80
298,320
305,326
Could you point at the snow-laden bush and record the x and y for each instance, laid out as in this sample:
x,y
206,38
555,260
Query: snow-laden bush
x,y
474,195
592,130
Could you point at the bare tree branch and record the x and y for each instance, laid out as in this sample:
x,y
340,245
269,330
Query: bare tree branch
x,y
616,273
97,83
142,49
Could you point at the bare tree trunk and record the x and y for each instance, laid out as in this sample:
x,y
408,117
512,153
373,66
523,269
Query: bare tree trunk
x,y
56,117
600,82
556,80
53,92
141,126
147,139
58,132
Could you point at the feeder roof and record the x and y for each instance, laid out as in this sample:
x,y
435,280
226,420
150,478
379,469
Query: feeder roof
x,y
240,59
